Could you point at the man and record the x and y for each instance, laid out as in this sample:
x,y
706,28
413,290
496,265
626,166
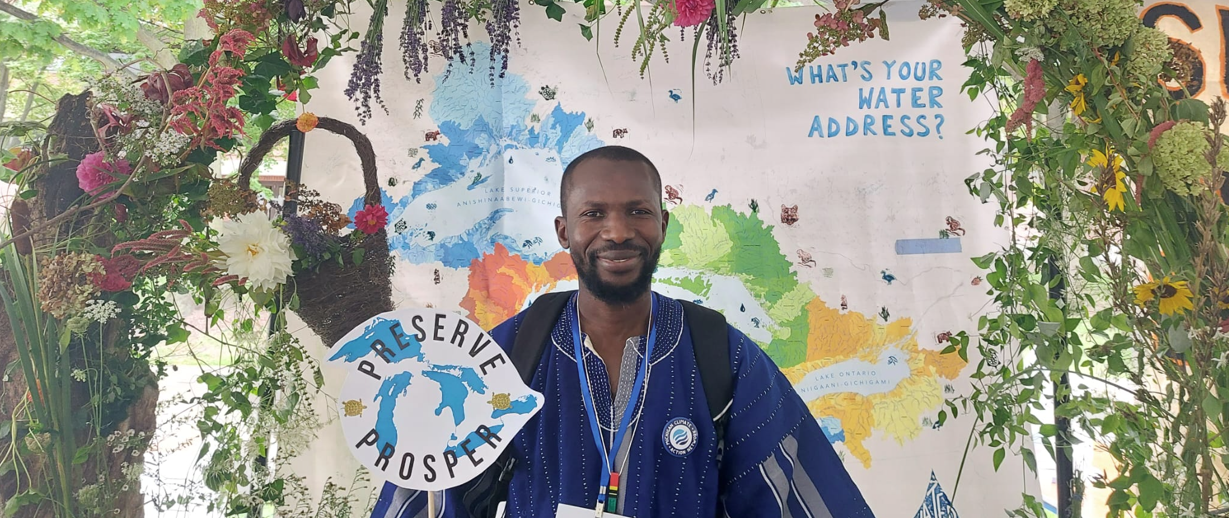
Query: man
x,y
646,445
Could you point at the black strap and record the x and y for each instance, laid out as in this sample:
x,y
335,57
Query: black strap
x,y
710,339
535,328
710,343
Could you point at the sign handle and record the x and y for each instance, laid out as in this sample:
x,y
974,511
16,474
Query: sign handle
x,y
430,504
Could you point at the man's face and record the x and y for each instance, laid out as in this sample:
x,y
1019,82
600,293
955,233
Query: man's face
x,y
614,228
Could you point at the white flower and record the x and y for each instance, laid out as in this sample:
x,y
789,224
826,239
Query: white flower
x,y
1028,53
101,310
1221,361
78,374
256,250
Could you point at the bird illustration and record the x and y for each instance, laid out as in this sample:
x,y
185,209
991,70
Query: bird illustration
x,y
887,276
418,163
675,96
711,195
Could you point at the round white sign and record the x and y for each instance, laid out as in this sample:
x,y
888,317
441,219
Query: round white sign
x,y
431,400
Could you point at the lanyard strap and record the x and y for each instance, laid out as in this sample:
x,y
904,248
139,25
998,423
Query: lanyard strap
x,y
590,407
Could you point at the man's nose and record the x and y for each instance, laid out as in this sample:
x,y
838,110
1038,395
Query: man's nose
x,y
618,229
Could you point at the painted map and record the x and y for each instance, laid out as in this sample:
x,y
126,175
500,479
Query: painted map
x,y
485,199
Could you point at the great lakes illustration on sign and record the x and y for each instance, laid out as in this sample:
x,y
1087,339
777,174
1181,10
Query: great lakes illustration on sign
x,y
430,399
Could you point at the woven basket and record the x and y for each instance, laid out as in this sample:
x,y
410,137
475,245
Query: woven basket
x,y
334,299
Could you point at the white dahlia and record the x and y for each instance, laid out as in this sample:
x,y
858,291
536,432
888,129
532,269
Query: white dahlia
x,y
256,250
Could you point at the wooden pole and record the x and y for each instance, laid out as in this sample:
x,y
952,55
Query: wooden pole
x,y
430,504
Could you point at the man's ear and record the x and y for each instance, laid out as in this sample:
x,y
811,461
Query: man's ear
x,y
665,220
561,231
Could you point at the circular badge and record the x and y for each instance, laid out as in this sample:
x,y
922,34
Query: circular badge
x,y
680,436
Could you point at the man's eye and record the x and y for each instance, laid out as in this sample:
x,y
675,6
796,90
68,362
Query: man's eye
x,y
591,214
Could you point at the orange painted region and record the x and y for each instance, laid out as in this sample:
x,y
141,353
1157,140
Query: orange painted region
x,y
946,366
500,282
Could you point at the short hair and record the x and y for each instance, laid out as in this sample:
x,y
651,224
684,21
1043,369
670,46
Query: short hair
x,y
613,153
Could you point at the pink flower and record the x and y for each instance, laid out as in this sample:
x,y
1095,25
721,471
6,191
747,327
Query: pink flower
x,y
118,273
371,219
1157,131
692,12
236,42
1034,92
94,172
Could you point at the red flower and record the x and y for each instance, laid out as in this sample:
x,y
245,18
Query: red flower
x,y
1157,131
24,158
296,57
236,42
119,272
159,89
371,219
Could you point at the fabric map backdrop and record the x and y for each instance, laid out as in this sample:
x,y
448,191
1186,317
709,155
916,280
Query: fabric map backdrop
x,y
824,213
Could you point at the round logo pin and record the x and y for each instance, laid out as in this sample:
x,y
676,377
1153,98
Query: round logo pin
x,y
680,436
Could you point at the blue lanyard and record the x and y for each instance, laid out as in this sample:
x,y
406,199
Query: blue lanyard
x,y
633,398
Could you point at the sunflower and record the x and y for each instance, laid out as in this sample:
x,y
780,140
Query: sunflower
x,y
1175,296
1076,87
1114,188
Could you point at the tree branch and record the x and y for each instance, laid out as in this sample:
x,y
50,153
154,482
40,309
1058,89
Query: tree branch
x,y
109,63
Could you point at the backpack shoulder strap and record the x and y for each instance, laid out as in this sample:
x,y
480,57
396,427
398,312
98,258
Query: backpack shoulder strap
x,y
710,339
535,328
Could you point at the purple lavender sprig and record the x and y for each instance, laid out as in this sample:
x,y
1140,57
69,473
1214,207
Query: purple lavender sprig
x,y
725,51
365,77
505,20
454,27
308,234
414,46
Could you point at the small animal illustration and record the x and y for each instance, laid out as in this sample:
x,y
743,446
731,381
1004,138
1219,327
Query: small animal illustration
x,y
619,133
354,408
548,92
430,305
884,314
551,159
755,206
672,194
432,135
953,227
431,206
676,95
976,281
501,401
992,358
531,242
711,195
477,179
430,235
413,152
844,303
936,426
944,337
926,422
805,259
948,388
589,124
400,226
756,322
392,181
535,118
887,276
892,360
437,277
789,215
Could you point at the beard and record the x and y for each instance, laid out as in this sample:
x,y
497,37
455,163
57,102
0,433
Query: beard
x,y
586,270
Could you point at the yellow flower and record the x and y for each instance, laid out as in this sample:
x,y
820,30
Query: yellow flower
x,y
307,122
1175,296
1114,194
1076,87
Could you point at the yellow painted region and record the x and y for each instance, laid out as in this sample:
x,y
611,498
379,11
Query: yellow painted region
x,y
704,239
857,419
946,366
834,335
899,412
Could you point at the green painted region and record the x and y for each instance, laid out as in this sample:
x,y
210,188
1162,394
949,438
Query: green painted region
x,y
705,242
789,344
694,284
792,304
757,259
672,243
